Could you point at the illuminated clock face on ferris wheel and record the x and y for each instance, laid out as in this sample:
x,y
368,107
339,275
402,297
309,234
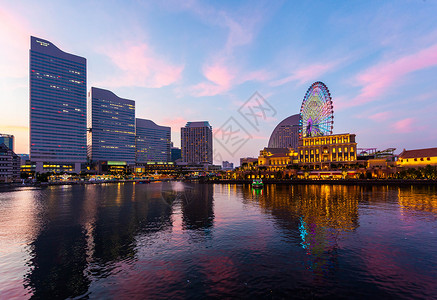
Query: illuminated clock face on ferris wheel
x,y
316,112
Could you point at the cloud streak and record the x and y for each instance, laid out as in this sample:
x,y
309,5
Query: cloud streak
x,y
222,70
140,66
307,73
404,125
381,77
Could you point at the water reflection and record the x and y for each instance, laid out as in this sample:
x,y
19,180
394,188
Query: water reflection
x,y
418,198
58,257
197,206
318,214
86,233
181,240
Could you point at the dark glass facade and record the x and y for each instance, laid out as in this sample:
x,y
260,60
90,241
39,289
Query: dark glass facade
x,y
111,121
152,142
57,105
8,140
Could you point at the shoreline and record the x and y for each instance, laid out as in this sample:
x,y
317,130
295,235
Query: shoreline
x,y
334,182
394,182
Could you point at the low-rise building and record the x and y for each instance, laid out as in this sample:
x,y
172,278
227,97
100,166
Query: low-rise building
x,y
227,166
277,159
9,164
417,158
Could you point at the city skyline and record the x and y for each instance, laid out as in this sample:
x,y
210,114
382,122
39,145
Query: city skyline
x,y
191,62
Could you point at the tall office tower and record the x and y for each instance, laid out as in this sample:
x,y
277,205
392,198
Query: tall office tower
x,y
286,133
152,142
196,143
8,140
57,108
111,123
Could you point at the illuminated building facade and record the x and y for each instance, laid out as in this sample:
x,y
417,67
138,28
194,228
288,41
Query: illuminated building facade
x,y
8,140
111,123
152,142
418,158
57,107
325,152
196,142
286,133
277,159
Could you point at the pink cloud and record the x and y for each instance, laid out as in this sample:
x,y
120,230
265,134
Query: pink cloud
x,y
404,126
141,66
175,122
380,78
222,70
15,33
379,117
222,77
307,73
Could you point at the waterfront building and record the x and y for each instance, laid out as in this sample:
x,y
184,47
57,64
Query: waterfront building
x,y
329,151
111,130
9,164
227,166
245,161
417,158
151,168
286,133
152,142
277,159
57,108
8,140
196,142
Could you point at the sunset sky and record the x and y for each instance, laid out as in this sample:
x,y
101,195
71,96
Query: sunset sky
x,y
193,61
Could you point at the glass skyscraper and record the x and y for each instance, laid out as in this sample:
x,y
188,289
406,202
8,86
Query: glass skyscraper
x,y
57,108
196,143
111,121
152,142
8,140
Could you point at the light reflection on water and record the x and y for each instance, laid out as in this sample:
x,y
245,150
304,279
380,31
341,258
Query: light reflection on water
x,y
186,240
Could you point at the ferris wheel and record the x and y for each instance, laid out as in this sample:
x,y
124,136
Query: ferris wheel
x,y
316,112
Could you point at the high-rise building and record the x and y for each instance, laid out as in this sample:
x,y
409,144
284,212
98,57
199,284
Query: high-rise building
x,y
286,133
8,140
196,142
152,142
57,108
111,125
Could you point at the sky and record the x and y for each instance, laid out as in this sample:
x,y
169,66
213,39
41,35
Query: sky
x,y
208,61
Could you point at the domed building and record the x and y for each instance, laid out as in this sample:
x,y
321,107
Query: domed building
x,y
286,133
